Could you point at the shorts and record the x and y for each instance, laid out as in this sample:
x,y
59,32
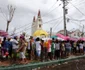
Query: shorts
x,y
38,53
22,55
68,49
84,48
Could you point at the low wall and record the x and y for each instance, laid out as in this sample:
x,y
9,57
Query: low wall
x,y
32,66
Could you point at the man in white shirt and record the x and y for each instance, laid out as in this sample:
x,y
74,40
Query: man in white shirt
x,y
15,47
38,48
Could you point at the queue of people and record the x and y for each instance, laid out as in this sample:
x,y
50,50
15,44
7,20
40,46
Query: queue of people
x,y
39,49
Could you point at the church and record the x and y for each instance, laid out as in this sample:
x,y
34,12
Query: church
x,y
37,30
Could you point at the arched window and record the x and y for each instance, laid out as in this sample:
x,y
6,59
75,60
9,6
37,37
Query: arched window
x,y
39,25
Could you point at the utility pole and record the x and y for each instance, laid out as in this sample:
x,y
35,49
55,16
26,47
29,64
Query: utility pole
x,y
65,11
50,32
64,17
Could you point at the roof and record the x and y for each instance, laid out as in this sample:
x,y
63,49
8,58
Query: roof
x,y
62,32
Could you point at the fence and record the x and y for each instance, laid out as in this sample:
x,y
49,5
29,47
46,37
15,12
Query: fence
x,y
40,64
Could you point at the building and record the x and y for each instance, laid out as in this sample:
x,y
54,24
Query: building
x,y
37,26
76,34
62,32
37,23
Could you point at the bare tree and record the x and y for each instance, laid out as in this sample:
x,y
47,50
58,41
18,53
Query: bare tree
x,y
10,15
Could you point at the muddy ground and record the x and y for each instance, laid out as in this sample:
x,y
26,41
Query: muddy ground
x,y
73,65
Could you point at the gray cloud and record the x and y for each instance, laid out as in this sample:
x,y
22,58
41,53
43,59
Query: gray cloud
x,y
25,10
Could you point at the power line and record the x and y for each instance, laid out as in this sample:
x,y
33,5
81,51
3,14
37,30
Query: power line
x,y
51,10
43,23
29,24
77,9
76,24
52,20
74,19
57,25
24,25
35,25
80,3
45,15
3,16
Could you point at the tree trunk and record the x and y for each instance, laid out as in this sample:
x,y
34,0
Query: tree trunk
x,y
7,26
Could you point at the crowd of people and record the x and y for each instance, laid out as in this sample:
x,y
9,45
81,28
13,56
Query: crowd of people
x,y
38,49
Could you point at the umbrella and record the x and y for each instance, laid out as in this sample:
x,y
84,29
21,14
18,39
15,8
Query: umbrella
x,y
73,39
83,39
55,37
3,33
62,36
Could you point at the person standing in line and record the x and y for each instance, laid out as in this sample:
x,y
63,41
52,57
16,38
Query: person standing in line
x,y
42,49
81,47
5,47
53,49
57,49
10,47
45,49
22,49
29,49
49,56
74,47
84,46
62,48
0,45
33,48
15,47
38,49
68,48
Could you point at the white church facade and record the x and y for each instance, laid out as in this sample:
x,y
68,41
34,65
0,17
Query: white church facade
x,y
37,26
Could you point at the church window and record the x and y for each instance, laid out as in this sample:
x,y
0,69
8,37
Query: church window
x,y
39,19
39,25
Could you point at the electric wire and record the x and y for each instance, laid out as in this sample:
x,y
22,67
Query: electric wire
x,y
57,25
42,24
77,9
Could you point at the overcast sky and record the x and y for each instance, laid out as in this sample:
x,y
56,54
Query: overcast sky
x,y
50,10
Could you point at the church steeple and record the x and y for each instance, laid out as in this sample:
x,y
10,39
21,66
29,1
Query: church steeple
x,y
37,22
39,14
